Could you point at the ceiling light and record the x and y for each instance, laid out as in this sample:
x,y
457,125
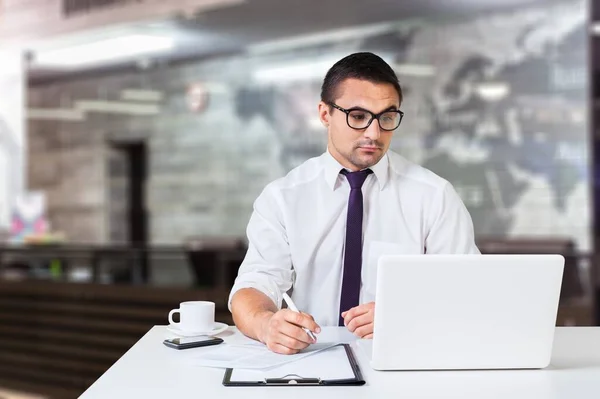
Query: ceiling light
x,y
103,51
117,107
141,95
56,114
302,71
314,70
492,91
414,69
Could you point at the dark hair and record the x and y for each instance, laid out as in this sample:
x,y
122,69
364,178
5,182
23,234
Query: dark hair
x,y
363,66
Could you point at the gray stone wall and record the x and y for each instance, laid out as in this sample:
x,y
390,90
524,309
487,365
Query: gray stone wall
x,y
518,162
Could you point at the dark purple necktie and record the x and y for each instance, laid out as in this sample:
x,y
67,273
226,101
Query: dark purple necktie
x,y
353,248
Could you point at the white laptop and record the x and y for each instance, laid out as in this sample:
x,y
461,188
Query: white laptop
x,y
448,312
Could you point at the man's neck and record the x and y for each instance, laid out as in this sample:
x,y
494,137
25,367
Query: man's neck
x,y
342,161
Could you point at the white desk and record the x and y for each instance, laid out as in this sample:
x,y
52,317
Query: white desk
x,y
151,370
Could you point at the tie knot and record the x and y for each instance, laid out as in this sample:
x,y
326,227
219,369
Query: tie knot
x,y
356,179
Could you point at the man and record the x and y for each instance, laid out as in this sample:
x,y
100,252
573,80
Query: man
x,y
309,228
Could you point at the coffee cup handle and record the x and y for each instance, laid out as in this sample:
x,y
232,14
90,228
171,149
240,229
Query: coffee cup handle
x,y
171,313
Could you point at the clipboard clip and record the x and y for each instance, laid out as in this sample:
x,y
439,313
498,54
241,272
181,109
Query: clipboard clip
x,y
289,380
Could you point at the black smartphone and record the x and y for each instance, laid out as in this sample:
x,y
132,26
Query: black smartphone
x,y
192,342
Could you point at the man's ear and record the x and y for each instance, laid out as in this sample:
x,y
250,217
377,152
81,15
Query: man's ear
x,y
324,114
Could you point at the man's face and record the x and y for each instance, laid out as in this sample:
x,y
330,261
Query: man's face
x,y
359,149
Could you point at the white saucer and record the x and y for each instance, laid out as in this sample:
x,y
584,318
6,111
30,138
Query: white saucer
x,y
217,329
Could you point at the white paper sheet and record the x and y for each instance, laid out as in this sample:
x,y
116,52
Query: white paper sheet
x,y
330,364
251,356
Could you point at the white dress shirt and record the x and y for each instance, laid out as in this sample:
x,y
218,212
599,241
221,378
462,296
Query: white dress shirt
x,y
297,230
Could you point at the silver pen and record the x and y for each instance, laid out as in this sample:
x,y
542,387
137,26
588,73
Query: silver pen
x,y
293,307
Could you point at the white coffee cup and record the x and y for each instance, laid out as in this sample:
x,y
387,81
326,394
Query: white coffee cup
x,y
194,316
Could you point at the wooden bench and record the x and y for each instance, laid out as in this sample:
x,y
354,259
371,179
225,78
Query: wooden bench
x,y
58,338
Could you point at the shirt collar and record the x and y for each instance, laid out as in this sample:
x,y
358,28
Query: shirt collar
x,y
332,167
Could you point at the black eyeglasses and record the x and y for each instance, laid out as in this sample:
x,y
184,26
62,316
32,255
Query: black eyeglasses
x,y
359,119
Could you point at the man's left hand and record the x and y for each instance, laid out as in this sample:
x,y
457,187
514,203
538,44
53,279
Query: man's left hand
x,y
359,320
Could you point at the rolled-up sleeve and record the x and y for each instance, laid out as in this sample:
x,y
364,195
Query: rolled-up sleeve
x,y
451,225
267,266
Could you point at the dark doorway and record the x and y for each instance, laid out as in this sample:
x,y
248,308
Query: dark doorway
x,y
128,170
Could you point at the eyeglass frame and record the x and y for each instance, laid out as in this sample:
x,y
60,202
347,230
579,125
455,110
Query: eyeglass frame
x,y
373,116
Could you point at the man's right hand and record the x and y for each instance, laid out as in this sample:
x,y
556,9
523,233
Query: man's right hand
x,y
282,331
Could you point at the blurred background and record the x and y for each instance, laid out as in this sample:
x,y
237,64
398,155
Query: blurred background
x,y
135,136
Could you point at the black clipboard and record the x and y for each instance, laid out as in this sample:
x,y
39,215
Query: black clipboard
x,y
296,380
